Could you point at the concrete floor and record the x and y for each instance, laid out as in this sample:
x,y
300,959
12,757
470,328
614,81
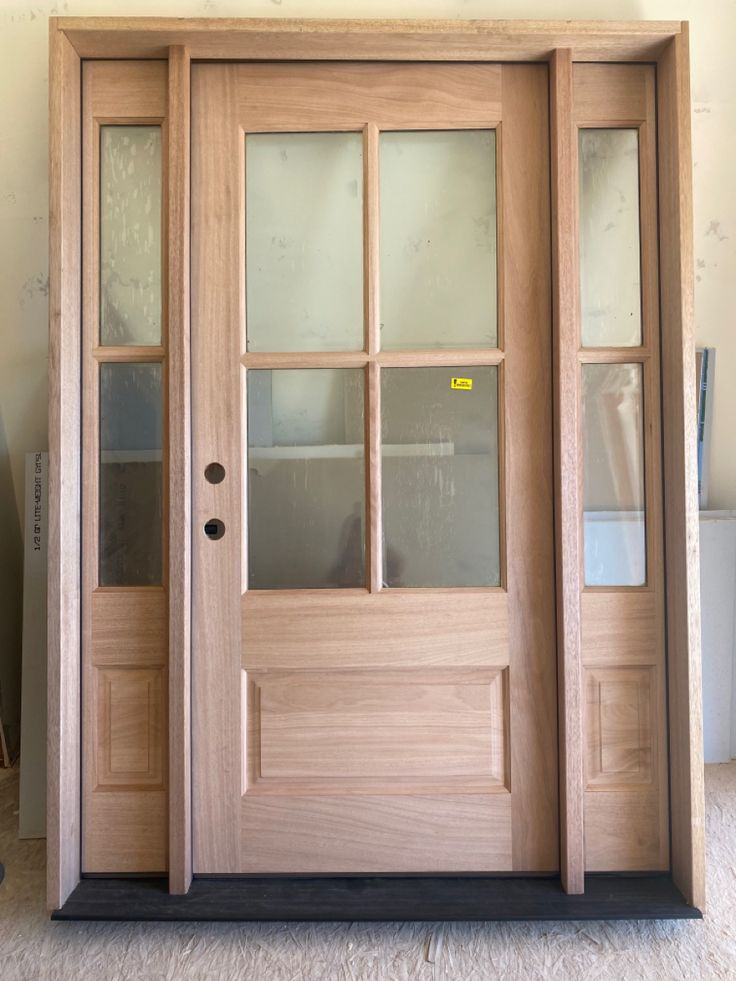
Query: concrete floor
x,y
31,947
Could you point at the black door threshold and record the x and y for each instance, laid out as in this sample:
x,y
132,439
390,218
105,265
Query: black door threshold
x,y
378,899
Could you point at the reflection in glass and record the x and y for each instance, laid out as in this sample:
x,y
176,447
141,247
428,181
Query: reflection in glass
x,y
613,468
306,485
438,239
304,241
610,264
130,235
130,475
440,477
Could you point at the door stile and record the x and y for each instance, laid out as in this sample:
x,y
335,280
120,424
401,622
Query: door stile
x,y
217,316
527,338
180,476
567,492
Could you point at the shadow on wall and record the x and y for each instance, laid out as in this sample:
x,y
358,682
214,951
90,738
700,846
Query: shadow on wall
x,y
11,598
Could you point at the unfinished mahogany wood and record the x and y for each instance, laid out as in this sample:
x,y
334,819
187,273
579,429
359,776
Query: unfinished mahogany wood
x,y
63,822
317,749
624,626
680,472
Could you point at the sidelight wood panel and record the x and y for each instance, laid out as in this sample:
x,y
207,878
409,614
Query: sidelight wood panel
x,y
124,628
622,627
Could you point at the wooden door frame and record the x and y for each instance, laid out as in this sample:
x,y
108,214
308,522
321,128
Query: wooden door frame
x,y
179,41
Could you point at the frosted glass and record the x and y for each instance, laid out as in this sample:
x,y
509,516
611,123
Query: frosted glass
x,y
130,533
610,260
440,477
306,483
438,239
304,241
130,235
613,469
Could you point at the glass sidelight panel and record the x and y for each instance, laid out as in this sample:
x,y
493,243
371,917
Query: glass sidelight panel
x,y
610,254
304,241
306,482
130,235
438,239
440,476
130,520
613,469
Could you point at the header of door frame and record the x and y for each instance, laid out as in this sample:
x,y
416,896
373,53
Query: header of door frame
x,y
180,40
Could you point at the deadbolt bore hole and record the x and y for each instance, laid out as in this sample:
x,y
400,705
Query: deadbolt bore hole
x,y
214,529
214,473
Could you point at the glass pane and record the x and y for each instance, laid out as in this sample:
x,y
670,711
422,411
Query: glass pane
x,y
613,463
306,485
610,266
304,241
130,475
438,239
130,235
440,476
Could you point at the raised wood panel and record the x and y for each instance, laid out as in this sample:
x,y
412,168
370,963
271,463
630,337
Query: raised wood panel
x,y
129,626
628,832
130,733
127,832
377,40
359,731
270,97
386,629
459,833
621,627
620,720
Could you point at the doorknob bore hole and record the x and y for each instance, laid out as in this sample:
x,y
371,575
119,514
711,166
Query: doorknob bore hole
x,y
214,529
214,473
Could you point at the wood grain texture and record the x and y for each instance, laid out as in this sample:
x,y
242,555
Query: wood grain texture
x,y
217,219
124,629
360,731
470,832
680,472
528,492
130,728
180,479
63,826
350,628
622,629
568,547
376,40
271,97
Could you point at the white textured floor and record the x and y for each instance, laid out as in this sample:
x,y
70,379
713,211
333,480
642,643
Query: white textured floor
x,y
31,947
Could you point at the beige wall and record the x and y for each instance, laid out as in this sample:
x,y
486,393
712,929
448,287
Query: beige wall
x,y
24,208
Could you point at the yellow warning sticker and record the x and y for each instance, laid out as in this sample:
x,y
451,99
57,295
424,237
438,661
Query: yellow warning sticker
x,y
464,384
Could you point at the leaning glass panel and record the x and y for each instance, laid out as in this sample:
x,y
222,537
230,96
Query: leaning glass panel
x,y
130,235
304,241
613,469
438,239
306,483
610,254
130,532
440,476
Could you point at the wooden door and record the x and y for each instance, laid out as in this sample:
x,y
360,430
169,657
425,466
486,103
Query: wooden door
x,y
374,671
